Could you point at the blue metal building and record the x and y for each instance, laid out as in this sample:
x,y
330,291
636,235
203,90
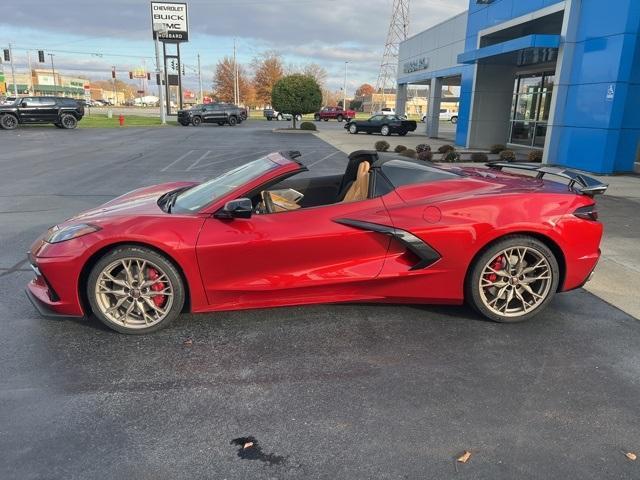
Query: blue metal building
x,y
563,76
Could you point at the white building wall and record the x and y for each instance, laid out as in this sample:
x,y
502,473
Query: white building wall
x,y
440,45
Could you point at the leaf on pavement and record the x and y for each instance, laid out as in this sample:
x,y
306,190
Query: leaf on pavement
x,y
631,456
464,458
188,342
247,445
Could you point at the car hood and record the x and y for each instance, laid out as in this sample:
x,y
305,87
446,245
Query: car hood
x,y
143,201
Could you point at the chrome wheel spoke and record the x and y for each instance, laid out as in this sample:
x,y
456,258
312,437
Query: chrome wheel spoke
x,y
124,295
515,281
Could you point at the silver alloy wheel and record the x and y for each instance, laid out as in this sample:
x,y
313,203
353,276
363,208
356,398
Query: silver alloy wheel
x,y
515,282
134,293
353,129
385,130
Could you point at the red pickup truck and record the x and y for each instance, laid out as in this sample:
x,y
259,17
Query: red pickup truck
x,y
337,113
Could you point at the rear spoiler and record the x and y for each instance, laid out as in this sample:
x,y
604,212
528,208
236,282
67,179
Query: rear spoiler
x,y
578,182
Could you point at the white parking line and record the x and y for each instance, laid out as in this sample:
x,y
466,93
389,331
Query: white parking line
x,y
182,157
205,155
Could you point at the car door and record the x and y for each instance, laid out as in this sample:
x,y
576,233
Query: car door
x,y
47,110
208,114
28,109
374,123
297,256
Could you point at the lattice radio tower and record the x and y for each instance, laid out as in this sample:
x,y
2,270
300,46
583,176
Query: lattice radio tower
x,y
398,32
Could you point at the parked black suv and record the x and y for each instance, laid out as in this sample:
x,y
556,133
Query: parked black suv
x,y
219,113
62,112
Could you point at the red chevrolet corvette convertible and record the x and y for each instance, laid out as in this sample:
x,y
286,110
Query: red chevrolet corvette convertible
x,y
390,229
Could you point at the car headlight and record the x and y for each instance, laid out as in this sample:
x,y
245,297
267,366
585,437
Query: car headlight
x,y
57,234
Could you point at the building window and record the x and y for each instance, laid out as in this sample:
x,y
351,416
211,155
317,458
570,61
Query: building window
x,y
530,108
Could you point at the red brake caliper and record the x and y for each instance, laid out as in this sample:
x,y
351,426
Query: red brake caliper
x,y
496,265
159,300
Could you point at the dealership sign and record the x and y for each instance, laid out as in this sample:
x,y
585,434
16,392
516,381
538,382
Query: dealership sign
x,y
416,65
174,17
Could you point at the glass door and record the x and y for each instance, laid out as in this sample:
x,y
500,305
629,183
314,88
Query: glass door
x,y
530,109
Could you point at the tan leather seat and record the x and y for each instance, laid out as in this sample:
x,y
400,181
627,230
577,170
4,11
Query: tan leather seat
x,y
359,189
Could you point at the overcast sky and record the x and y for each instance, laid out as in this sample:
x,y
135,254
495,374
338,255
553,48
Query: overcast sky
x,y
89,36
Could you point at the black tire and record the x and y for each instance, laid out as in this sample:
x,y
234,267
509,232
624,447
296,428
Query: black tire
x,y
385,131
473,295
68,121
454,120
233,121
353,129
316,117
8,122
340,118
196,121
269,118
134,251
326,119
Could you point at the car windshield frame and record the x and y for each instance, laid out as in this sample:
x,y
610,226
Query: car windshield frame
x,y
200,196
400,173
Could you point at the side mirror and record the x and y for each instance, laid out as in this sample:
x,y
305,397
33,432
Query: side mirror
x,y
239,208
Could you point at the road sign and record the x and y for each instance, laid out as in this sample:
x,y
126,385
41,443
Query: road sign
x,y
174,17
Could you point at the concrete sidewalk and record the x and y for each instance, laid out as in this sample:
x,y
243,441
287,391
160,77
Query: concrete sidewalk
x,y
617,278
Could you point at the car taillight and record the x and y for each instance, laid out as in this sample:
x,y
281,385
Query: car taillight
x,y
590,212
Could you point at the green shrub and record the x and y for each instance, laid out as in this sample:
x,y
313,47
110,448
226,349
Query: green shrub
x,y
382,146
425,156
450,156
423,147
446,148
507,156
497,148
408,152
535,156
308,126
479,157
296,94
399,148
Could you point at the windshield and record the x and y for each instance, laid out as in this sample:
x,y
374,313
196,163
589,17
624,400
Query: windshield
x,y
197,197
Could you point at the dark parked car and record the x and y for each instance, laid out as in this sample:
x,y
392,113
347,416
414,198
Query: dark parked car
x,y
62,112
220,113
383,124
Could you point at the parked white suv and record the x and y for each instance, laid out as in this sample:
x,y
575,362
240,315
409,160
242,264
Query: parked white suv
x,y
445,115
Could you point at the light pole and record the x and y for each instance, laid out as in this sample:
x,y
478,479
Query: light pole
x,y
158,29
13,72
53,70
200,80
344,90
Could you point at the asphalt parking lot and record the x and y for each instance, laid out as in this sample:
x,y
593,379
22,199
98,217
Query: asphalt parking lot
x,y
330,391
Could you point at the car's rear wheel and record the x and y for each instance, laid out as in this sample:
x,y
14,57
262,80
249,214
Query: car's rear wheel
x,y
233,121
135,290
385,130
196,121
454,120
8,122
340,118
513,280
316,117
68,121
353,128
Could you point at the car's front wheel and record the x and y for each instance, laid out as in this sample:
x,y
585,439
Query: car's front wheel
x,y
135,290
196,121
353,128
385,130
513,279
454,120
68,121
316,117
340,118
233,121
8,122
